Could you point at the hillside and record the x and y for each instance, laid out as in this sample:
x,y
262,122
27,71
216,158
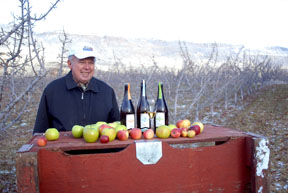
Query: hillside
x,y
140,51
265,113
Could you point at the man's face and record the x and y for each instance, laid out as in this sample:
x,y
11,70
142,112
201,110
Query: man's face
x,y
82,69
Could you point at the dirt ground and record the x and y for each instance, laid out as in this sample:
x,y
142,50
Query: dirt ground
x,y
264,112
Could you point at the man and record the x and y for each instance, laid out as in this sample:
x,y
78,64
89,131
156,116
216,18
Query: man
x,y
77,98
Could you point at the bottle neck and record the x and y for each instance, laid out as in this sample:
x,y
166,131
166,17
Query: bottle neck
x,y
143,89
128,92
160,93
125,92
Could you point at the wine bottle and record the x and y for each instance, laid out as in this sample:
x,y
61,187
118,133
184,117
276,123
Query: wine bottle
x,y
127,112
161,117
142,109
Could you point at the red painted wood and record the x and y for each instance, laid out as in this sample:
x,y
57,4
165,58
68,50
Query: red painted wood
x,y
220,168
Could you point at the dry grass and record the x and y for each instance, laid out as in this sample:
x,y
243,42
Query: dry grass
x,y
266,113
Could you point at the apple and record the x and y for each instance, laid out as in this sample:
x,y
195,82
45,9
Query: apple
x,y
114,124
175,133
163,131
52,134
196,128
98,124
77,131
120,127
148,134
104,139
172,126
122,135
191,133
110,132
184,132
200,125
103,126
135,133
90,134
42,141
183,123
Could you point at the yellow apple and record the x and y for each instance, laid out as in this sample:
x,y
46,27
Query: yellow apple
x,y
185,123
191,133
114,124
77,131
172,126
163,131
52,134
110,132
120,127
90,134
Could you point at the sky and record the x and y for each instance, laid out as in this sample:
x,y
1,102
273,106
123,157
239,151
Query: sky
x,y
254,23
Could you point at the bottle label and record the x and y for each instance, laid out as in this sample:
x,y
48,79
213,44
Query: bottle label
x,y
144,120
130,121
160,119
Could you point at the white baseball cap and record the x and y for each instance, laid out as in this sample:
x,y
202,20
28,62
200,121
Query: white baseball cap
x,y
82,51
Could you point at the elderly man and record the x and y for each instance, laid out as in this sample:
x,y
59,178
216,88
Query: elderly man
x,y
77,98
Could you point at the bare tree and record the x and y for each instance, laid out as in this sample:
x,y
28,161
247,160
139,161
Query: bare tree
x,y
64,41
22,64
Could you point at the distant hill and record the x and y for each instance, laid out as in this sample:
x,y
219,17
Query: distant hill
x,y
137,51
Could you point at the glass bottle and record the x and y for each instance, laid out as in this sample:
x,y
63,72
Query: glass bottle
x,y
142,109
161,109
127,112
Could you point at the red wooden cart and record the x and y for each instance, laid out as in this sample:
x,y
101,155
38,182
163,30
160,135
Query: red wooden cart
x,y
217,160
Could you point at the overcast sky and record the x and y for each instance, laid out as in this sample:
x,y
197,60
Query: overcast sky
x,y
250,22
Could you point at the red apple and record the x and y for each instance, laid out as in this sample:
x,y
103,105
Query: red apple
x,y
103,126
175,133
136,133
148,134
104,139
196,128
184,132
42,141
191,133
183,123
122,135
200,125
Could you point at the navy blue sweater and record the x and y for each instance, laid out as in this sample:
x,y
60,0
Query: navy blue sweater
x,y
64,104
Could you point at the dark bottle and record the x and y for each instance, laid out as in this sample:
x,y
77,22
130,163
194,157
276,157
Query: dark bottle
x,y
127,112
161,117
143,121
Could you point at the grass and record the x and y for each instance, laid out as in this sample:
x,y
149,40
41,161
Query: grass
x,y
264,112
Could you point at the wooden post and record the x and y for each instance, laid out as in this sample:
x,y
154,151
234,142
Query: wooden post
x,y
259,151
27,172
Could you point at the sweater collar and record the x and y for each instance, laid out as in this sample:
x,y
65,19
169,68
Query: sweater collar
x,y
71,84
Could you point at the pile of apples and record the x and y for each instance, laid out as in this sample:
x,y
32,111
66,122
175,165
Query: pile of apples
x,y
183,128
107,132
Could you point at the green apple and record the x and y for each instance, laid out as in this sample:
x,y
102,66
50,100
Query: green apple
x,y
163,131
110,132
52,134
77,131
90,134
120,127
114,124
172,126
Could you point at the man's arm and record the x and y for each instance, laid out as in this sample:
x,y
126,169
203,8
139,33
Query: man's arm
x,y
42,118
